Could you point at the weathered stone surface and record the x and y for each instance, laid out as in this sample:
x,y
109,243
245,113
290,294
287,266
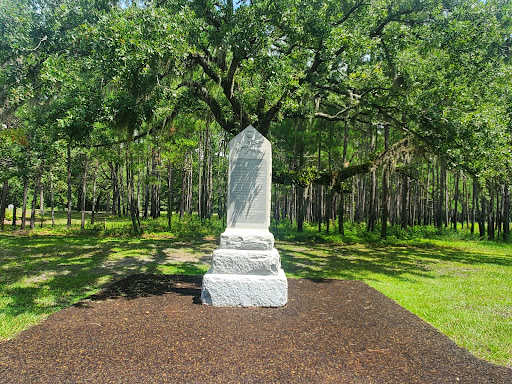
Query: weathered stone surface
x,y
234,261
244,290
249,181
247,239
246,269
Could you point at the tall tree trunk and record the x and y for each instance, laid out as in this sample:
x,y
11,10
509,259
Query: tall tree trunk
x,y
500,211
426,215
122,194
482,216
506,214
404,202
3,202
190,174
34,200
328,210
467,203
385,192
14,203
94,177
84,191
341,213
456,198
209,191
372,209
138,190
24,206
474,205
490,215
147,190
183,192
153,186
444,195
115,189
41,205
52,199
130,186
200,170
69,186
300,208
170,184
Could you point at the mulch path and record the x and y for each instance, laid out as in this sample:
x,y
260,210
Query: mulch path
x,y
152,329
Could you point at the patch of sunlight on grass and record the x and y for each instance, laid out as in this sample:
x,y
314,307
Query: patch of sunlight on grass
x,y
46,301
5,301
21,322
183,269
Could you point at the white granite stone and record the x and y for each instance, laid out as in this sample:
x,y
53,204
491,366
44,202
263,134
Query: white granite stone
x,y
246,268
246,239
249,180
244,290
235,261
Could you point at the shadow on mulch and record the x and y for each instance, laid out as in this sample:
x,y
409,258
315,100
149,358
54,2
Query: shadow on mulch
x,y
142,285
148,329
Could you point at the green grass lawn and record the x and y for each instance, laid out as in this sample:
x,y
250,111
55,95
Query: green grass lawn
x,y
461,286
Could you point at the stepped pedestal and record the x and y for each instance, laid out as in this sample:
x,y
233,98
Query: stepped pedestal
x,y
246,268
247,274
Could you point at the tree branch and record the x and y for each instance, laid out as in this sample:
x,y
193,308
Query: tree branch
x,y
350,12
202,92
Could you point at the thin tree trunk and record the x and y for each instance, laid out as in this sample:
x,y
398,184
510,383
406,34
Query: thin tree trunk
x,y
24,206
506,214
490,215
190,185
138,189
52,199
153,186
183,191
14,204
3,203
482,215
130,186
200,159
122,194
34,200
385,192
170,183
84,191
341,212
426,206
404,202
444,195
93,209
41,205
474,205
69,186
456,202
372,209
300,208
147,190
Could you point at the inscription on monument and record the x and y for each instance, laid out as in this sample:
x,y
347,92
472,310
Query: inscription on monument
x,y
248,192
246,268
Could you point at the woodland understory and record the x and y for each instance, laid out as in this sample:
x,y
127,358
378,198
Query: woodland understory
x,y
379,112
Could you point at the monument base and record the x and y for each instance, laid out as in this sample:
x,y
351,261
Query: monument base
x,y
230,290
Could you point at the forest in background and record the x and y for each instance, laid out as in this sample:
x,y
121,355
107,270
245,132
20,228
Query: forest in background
x,y
379,112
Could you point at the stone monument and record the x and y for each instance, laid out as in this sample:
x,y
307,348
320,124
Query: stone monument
x,y
246,268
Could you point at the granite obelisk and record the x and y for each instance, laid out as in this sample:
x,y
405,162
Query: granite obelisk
x,y
246,268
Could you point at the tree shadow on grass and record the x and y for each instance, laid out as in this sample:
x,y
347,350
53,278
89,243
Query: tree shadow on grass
x,y
357,262
42,274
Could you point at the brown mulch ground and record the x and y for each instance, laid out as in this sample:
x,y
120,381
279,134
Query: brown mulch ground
x,y
151,329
